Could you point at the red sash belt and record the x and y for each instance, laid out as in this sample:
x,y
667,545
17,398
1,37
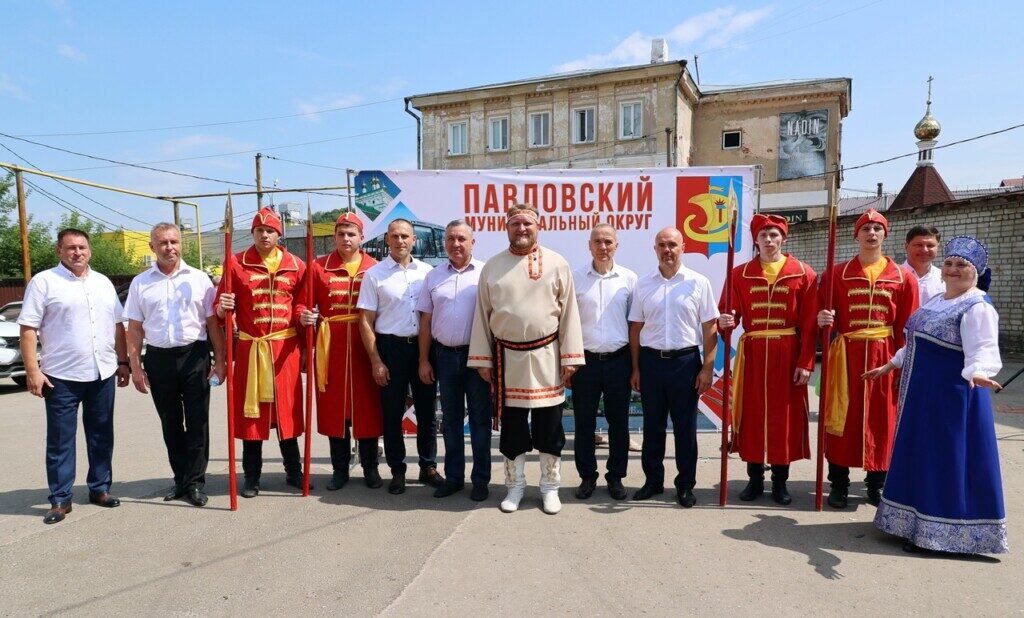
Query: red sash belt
x,y
500,346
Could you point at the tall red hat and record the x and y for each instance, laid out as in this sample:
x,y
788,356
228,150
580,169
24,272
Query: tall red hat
x,y
871,216
267,218
350,218
759,222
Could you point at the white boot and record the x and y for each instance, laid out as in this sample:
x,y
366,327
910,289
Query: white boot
x,y
515,480
550,481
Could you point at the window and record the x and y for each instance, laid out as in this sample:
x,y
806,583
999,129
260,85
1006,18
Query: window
x,y
731,139
458,138
583,128
540,129
631,123
498,139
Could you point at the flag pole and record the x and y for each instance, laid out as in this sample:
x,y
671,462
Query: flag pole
x,y
229,354
310,376
826,336
723,492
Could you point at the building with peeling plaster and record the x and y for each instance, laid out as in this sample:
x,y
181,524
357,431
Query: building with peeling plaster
x,y
651,115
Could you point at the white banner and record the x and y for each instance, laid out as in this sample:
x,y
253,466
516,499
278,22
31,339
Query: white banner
x,y
637,202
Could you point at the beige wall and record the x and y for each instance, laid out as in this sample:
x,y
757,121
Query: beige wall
x,y
668,101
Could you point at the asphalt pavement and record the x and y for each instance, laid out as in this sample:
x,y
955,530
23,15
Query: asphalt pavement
x,y
364,552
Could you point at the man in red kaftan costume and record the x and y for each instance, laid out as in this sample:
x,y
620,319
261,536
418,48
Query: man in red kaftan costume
x,y
265,280
873,298
347,398
774,297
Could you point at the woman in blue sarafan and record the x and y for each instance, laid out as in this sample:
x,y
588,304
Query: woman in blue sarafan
x,y
944,491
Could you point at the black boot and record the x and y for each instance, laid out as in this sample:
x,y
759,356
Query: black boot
x,y
755,486
368,458
292,463
874,482
341,455
252,465
839,477
780,474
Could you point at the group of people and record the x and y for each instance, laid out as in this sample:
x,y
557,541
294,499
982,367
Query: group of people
x,y
504,340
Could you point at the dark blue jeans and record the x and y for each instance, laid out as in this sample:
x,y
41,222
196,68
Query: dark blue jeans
x,y
609,377
461,385
667,389
62,401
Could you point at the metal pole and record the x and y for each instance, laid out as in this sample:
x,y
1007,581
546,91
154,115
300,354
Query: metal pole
x,y
668,147
259,180
199,238
26,263
95,185
348,181
177,215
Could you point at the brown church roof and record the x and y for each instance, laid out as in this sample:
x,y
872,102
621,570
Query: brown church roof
x,y
924,188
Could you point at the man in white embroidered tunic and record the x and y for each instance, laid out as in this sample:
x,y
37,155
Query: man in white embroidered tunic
x,y
527,330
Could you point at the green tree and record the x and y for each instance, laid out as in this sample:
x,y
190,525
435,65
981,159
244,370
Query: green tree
x,y
107,256
328,216
40,242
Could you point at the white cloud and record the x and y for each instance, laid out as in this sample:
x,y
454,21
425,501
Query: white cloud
x,y
713,28
70,52
309,107
8,87
200,144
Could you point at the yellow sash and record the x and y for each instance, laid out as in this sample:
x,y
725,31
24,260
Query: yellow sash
x,y
837,395
738,368
323,346
259,382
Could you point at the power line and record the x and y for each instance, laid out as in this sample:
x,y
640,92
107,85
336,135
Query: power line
x,y
240,152
213,124
67,186
123,163
778,34
71,207
897,157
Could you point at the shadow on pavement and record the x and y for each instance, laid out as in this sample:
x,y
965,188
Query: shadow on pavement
x,y
819,541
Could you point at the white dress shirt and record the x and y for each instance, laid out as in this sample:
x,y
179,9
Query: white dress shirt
x,y
172,308
449,295
673,310
930,285
392,291
604,302
979,334
76,319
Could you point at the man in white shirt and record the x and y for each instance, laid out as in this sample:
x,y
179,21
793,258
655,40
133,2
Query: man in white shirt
x,y
446,305
389,326
75,313
170,307
604,291
673,313
922,248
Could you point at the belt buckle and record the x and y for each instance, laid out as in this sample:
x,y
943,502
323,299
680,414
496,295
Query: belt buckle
x,y
664,353
602,356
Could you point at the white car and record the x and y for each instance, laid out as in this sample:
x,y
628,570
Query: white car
x,y
11,365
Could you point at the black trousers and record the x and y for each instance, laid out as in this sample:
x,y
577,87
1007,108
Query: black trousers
x,y
178,382
609,377
525,429
341,451
252,458
839,477
668,389
401,356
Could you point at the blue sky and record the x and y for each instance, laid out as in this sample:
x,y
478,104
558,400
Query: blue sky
x,y
72,67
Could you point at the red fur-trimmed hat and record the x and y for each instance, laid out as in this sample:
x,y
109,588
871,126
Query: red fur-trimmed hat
x,y
349,218
267,218
759,222
871,216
